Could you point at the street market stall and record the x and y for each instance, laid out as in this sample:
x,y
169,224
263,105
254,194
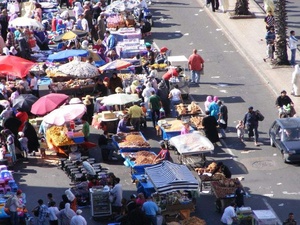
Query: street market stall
x,y
130,142
171,128
189,110
191,148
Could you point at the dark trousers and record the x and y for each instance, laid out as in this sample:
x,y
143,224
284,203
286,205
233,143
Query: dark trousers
x,y
53,222
14,218
215,5
155,116
136,123
252,131
151,220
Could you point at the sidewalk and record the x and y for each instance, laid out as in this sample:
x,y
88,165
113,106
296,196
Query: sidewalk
x,y
248,36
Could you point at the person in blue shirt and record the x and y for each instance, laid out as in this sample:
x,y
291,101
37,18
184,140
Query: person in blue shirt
x,y
151,209
214,108
111,41
122,125
60,27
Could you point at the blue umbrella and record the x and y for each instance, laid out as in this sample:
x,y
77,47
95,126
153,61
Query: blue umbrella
x,y
63,55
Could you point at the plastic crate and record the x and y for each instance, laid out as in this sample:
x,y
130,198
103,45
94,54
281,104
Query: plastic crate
x,y
78,140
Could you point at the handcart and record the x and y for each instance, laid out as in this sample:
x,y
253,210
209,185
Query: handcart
x,y
182,79
192,148
120,141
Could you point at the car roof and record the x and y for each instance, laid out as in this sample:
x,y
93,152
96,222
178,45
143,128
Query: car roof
x,y
291,122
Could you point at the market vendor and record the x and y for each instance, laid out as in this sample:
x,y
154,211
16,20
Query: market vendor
x,y
164,153
93,182
221,168
85,128
15,203
100,90
172,72
107,148
122,125
239,195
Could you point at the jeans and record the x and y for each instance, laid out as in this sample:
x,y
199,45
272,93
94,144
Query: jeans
x,y
293,56
14,218
195,76
173,103
155,116
136,123
252,131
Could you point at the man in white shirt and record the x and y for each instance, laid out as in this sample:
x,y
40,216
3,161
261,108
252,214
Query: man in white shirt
x,y
33,84
84,23
229,215
293,46
117,193
52,211
175,99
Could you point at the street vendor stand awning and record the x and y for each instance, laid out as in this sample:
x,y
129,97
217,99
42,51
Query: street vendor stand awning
x,y
23,22
169,176
63,55
118,64
70,35
79,69
119,99
191,144
15,66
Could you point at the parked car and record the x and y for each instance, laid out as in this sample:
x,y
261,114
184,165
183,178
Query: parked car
x,y
285,135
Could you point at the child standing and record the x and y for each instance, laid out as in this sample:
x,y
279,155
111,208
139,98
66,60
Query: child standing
x,y
24,144
240,130
270,50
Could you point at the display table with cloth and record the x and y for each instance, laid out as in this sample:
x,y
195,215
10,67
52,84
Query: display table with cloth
x,y
171,128
120,141
144,185
127,33
130,48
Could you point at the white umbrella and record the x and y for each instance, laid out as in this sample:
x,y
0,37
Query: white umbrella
x,y
79,69
23,22
119,99
65,114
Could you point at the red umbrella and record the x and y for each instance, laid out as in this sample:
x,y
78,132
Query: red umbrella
x,y
48,103
115,65
15,66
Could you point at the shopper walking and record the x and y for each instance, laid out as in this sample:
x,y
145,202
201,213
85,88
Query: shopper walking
x,y
151,209
251,123
65,215
15,202
196,65
293,46
43,212
155,105
223,118
136,113
52,211
175,99
290,220
78,219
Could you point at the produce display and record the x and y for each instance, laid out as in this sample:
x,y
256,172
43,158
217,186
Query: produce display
x,y
194,108
181,109
57,136
174,125
73,83
224,188
115,21
197,121
209,169
131,140
193,221
144,158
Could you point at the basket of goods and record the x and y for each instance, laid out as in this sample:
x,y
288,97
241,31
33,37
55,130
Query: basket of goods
x,y
224,188
194,108
181,109
58,137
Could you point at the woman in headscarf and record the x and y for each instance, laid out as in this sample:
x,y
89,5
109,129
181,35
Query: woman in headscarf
x,y
133,86
65,215
163,93
77,9
147,94
30,133
207,102
210,127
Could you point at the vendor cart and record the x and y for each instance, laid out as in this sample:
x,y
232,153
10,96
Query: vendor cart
x,y
171,128
192,148
130,146
182,79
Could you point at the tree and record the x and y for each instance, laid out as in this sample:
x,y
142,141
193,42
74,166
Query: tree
x,y
281,26
242,7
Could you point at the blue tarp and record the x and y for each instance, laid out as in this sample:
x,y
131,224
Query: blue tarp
x,y
63,55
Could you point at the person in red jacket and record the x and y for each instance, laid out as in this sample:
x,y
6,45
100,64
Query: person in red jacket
x,y
196,64
23,117
172,72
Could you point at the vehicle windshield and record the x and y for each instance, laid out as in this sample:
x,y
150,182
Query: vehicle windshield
x,y
291,134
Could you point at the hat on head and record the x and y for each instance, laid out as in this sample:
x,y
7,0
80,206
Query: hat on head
x,y
251,107
19,192
283,91
148,45
85,44
21,134
119,90
78,211
164,49
75,101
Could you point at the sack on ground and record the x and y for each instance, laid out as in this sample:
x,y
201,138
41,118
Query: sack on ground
x,y
260,116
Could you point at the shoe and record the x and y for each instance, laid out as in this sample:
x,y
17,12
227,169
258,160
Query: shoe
x,y
256,144
265,60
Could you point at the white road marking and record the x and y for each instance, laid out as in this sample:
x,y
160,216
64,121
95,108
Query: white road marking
x,y
186,34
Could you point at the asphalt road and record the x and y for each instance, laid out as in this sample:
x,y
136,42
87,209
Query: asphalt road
x,y
182,26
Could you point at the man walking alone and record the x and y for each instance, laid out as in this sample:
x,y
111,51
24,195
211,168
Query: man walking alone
x,y
196,64
293,46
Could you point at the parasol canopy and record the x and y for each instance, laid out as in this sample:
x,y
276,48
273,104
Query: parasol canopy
x,y
23,22
24,102
70,35
15,66
65,54
119,99
48,103
65,114
115,65
168,177
79,69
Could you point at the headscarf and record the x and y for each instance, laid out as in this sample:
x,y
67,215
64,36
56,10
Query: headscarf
x,y
68,211
78,9
215,99
207,102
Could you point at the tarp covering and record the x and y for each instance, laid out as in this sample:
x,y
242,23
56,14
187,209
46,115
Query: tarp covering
x,y
167,177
